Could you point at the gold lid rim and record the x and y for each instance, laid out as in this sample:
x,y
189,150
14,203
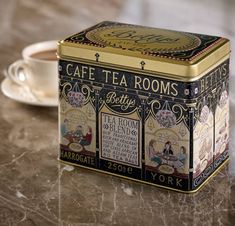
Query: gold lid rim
x,y
183,70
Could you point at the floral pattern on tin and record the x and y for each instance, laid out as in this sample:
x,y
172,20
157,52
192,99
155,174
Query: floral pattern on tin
x,y
204,114
75,97
223,99
165,117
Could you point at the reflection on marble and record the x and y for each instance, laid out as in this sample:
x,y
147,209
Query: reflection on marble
x,y
100,199
35,189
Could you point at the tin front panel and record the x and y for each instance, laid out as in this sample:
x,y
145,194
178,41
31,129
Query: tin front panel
x,y
167,133
120,132
77,123
167,143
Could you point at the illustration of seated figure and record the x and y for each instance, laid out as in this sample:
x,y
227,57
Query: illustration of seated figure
x,y
152,152
78,131
182,155
86,140
167,149
64,127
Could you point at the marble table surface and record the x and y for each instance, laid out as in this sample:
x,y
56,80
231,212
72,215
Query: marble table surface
x,y
35,189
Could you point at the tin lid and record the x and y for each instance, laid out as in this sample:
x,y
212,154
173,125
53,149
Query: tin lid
x,y
182,55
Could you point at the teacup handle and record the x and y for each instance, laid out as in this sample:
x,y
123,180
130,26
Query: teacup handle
x,y
14,72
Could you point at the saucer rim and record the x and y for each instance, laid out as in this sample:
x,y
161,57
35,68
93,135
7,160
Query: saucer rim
x,y
7,81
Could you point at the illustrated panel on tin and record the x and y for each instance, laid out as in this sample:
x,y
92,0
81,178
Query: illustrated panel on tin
x,y
221,125
203,141
77,123
167,143
120,133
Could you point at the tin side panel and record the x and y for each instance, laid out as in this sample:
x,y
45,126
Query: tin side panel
x,y
203,140
221,123
211,129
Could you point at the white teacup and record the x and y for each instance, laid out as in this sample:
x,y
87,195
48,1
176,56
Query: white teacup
x,y
39,74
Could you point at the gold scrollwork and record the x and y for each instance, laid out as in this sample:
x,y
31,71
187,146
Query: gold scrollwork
x,y
155,104
65,86
179,110
86,90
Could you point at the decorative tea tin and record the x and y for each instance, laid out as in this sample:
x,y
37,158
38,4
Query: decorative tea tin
x,y
144,103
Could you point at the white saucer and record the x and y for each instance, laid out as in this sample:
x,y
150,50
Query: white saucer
x,y
22,95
